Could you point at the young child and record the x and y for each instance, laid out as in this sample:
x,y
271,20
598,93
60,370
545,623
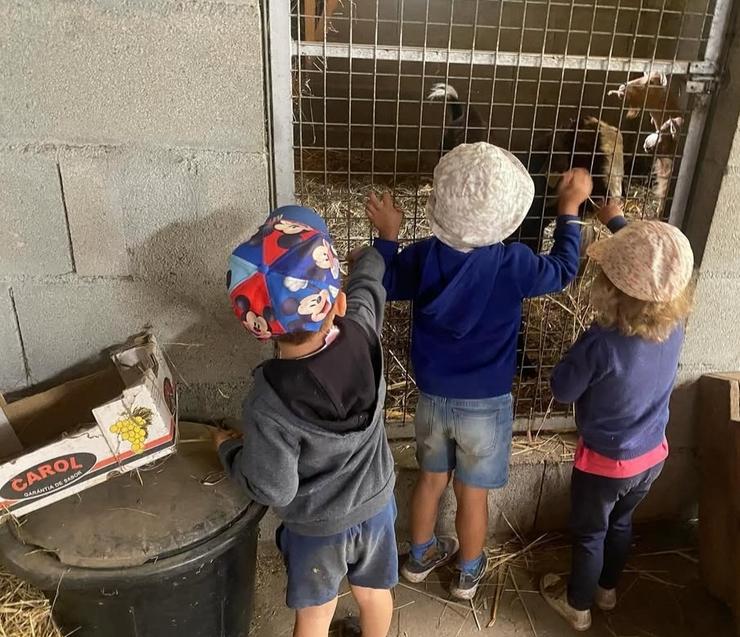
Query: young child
x,y
620,374
467,288
314,445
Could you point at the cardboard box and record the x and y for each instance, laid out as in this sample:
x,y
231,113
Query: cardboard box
x,y
75,435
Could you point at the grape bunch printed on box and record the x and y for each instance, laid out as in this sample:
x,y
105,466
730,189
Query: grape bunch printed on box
x,y
133,428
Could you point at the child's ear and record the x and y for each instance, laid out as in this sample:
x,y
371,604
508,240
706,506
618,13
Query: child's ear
x,y
340,304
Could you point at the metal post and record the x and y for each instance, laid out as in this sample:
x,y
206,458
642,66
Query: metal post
x,y
699,117
281,102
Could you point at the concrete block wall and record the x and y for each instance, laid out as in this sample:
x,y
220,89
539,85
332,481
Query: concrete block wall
x,y
132,159
713,225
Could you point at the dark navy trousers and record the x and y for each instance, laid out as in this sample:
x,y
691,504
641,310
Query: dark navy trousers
x,y
601,524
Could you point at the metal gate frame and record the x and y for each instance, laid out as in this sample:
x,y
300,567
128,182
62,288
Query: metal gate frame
x,y
281,49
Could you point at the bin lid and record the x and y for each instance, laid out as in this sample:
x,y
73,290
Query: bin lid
x,y
142,516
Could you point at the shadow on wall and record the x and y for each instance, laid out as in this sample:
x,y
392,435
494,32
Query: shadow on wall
x,y
178,289
184,266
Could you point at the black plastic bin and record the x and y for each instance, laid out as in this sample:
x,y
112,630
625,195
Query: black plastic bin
x,y
174,556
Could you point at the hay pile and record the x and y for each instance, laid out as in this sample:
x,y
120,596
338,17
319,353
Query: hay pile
x,y
551,323
24,611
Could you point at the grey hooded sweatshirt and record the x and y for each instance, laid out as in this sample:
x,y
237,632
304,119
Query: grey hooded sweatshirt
x,y
314,445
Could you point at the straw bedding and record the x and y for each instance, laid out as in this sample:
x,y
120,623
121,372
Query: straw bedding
x,y
24,611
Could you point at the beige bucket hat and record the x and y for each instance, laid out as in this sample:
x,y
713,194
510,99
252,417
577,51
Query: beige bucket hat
x,y
648,260
481,195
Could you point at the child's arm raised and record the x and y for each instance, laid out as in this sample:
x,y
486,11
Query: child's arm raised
x,y
264,463
365,292
612,217
401,277
542,274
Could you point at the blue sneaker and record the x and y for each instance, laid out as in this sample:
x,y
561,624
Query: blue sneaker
x,y
439,554
467,583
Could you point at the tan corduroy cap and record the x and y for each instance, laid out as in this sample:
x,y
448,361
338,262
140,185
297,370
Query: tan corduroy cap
x,y
648,260
481,195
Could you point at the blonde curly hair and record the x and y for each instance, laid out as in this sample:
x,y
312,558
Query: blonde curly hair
x,y
650,320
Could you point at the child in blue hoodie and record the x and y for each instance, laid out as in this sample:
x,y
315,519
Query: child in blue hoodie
x,y
467,288
620,374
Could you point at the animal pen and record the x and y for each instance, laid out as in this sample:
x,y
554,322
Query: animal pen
x,y
366,94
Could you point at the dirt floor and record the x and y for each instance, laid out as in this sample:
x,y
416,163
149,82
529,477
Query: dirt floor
x,y
660,596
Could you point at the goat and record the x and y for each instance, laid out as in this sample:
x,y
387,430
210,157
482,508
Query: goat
x,y
587,143
592,144
650,93
663,140
464,124
663,144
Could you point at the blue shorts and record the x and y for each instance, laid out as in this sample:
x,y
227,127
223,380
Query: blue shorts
x,y
366,553
470,437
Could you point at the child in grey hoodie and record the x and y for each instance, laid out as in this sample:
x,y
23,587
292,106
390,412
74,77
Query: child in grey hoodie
x,y
314,445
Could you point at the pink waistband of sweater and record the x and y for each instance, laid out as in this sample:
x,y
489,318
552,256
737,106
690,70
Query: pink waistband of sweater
x,y
588,461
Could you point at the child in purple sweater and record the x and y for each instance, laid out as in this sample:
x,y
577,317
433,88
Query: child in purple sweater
x,y
620,374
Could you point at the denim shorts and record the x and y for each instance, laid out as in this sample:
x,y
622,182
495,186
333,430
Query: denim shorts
x,y
366,553
470,437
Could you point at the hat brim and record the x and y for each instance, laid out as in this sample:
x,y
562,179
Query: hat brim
x,y
599,249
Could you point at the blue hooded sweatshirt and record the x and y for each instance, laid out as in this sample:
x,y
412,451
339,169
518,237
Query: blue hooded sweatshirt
x,y
468,306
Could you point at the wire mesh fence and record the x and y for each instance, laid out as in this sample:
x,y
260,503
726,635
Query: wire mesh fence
x,y
381,88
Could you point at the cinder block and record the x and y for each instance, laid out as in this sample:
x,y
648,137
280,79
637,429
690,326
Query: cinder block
x,y
203,402
33,229
721,253
537,499
673,496
12,368
96,225
148,71
713,331
515,504
220,199
554,508
67,323
161,214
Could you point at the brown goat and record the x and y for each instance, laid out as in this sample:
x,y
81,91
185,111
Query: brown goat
x,y
649,92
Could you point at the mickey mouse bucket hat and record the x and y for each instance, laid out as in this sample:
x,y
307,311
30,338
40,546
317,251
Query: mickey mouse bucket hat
x,y
286,278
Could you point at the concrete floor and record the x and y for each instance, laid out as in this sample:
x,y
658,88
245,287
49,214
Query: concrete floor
x,y
660,596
